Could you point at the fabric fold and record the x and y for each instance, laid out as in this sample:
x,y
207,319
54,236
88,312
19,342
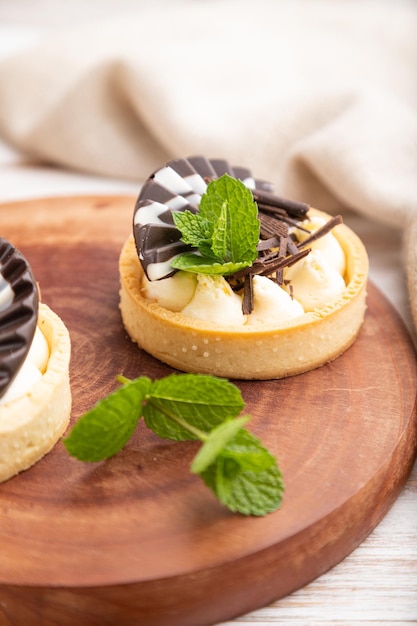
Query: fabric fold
x,y
318,97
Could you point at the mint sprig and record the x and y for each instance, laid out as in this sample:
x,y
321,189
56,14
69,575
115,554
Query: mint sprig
x,y
225,231
233,463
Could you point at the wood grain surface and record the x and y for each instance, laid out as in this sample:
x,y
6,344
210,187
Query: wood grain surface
x,y
139,540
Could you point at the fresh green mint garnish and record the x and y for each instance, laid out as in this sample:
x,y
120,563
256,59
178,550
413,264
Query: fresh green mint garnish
x,y
198,401
233,463
108,426
225,230
245,476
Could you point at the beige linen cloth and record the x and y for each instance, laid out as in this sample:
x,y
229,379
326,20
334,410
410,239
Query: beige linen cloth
x,y
318,97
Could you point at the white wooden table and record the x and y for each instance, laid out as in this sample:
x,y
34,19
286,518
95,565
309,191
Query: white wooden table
x,y
377,583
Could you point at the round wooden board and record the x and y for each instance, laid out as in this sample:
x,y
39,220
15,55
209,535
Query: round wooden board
x,y
138,539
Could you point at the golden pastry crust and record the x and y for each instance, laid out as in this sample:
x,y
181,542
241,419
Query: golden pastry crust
x,y
252,351
32,424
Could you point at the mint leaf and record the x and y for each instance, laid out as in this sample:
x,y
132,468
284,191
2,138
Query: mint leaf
x,y
199,264
107,427
229,205
185,406
195,230
221,238
245,476
225,231
215,442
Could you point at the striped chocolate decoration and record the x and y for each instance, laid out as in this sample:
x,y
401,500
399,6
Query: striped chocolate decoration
x,y
19,301
178,186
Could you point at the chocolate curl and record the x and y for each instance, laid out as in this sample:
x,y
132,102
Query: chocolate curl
x,y
271,226
267,200
265,268
320,232
248,299
279,277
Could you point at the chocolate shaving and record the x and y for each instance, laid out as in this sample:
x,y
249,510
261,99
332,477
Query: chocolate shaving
x,y
247,302
279,276
320,232
280,214
265,268
281,263
271,226
268,244
290,288
292,246
291,207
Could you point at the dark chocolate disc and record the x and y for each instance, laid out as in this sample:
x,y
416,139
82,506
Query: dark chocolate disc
x,y
177,186
19,302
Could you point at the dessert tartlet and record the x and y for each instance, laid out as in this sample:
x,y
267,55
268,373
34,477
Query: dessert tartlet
x,y
298,305
35,395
